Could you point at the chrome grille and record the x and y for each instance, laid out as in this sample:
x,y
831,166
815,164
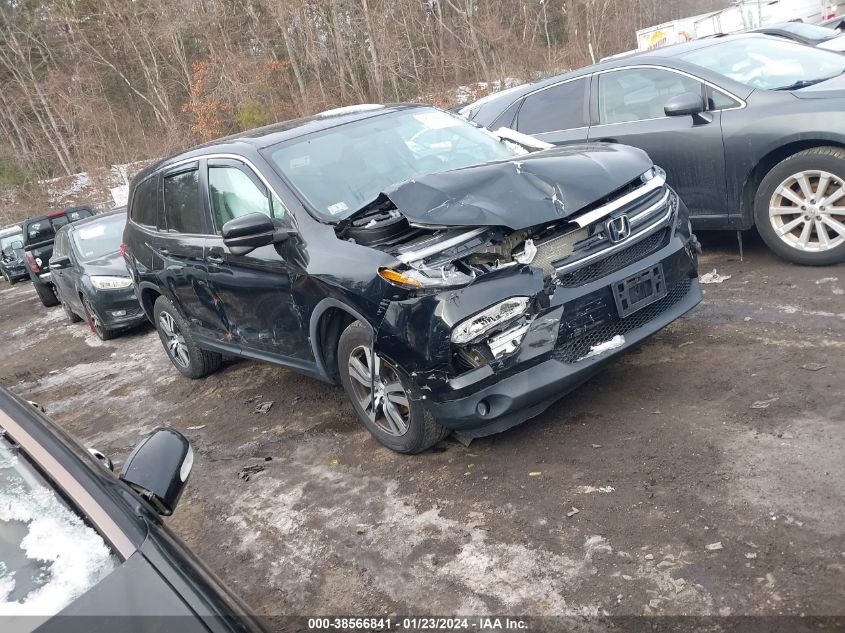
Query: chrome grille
x,y
615,261
557,249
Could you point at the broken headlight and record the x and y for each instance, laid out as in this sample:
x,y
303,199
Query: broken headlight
x,y
490,318
429,278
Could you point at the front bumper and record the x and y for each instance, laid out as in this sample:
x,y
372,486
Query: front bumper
x,y
117,309
554,357
16,271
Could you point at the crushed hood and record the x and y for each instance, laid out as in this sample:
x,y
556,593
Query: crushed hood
x,y
521,192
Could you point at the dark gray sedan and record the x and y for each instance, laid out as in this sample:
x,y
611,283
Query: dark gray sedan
x,y
90,275
749,128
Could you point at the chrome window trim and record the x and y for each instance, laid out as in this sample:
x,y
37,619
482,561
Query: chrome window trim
x,y
224,155
742,102
61,477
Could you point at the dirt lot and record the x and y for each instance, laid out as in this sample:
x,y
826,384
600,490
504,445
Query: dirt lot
x,y
662,454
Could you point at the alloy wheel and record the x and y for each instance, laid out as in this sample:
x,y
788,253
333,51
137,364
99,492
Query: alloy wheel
x,y
807,211
379,391
174,341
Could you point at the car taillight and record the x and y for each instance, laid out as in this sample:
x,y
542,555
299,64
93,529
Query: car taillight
x,y
122,249
30,259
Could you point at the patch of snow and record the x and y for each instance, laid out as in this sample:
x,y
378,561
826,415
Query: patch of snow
x,y
586,490
713,278
72,555
615,343
827,280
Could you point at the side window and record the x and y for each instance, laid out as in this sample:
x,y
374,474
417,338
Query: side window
x,y
181,202
144,203
59,246
718,100
560,107
639,94
233,194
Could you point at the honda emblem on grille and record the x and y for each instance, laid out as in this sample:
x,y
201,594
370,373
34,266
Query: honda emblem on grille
x,y
618,228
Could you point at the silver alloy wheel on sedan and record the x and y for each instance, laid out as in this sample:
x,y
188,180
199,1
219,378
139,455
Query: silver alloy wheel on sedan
x,y
379,391
807,211
175,342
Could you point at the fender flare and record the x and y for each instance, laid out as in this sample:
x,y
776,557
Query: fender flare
x,y
313,333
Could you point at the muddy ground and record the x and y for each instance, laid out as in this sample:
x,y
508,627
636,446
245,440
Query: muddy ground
x,y
662,454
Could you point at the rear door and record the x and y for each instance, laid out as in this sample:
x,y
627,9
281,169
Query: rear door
x,y
180,244
253,289
627,107
556,114
61,277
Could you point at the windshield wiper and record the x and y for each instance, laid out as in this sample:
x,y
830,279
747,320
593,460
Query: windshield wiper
x,y
804,83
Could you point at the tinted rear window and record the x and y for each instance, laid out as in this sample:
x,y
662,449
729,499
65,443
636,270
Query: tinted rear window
x,y
144,203
181,202
560,107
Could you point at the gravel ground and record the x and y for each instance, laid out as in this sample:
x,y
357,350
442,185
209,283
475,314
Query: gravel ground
x,y
690,499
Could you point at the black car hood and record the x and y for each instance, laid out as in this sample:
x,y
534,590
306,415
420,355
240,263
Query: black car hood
x,y
521,192
111,264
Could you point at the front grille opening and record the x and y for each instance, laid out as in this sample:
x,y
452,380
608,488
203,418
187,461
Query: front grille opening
x,y
615,261
571,349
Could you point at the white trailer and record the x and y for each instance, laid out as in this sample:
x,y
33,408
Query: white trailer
x,y
743,15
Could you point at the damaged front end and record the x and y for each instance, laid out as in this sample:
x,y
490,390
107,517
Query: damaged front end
x,y
513,297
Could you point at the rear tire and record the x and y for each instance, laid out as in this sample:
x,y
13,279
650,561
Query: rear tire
x,y
46,294
189,358
799,208
396,420
9,279
70,315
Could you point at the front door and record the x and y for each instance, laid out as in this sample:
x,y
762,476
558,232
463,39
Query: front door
x,y
628,108
254,290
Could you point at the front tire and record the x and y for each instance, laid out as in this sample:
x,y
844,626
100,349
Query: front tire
x,y
95,323
799,208
386,408
175,334
45,294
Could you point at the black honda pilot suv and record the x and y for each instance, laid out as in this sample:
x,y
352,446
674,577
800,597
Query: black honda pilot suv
x,y
449,279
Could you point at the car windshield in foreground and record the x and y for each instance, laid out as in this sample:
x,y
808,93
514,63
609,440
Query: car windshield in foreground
x,y
49,556
341,169
99,238
768,63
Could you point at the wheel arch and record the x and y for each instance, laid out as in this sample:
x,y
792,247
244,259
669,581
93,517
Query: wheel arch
x,y
328,320
768,162
147,295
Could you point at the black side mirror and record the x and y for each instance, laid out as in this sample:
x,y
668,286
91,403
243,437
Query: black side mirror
x,y
248,232
158,469
62,261
685,104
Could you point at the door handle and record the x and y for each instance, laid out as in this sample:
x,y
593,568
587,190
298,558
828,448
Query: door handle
x,y
214,259
163,251
606,140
